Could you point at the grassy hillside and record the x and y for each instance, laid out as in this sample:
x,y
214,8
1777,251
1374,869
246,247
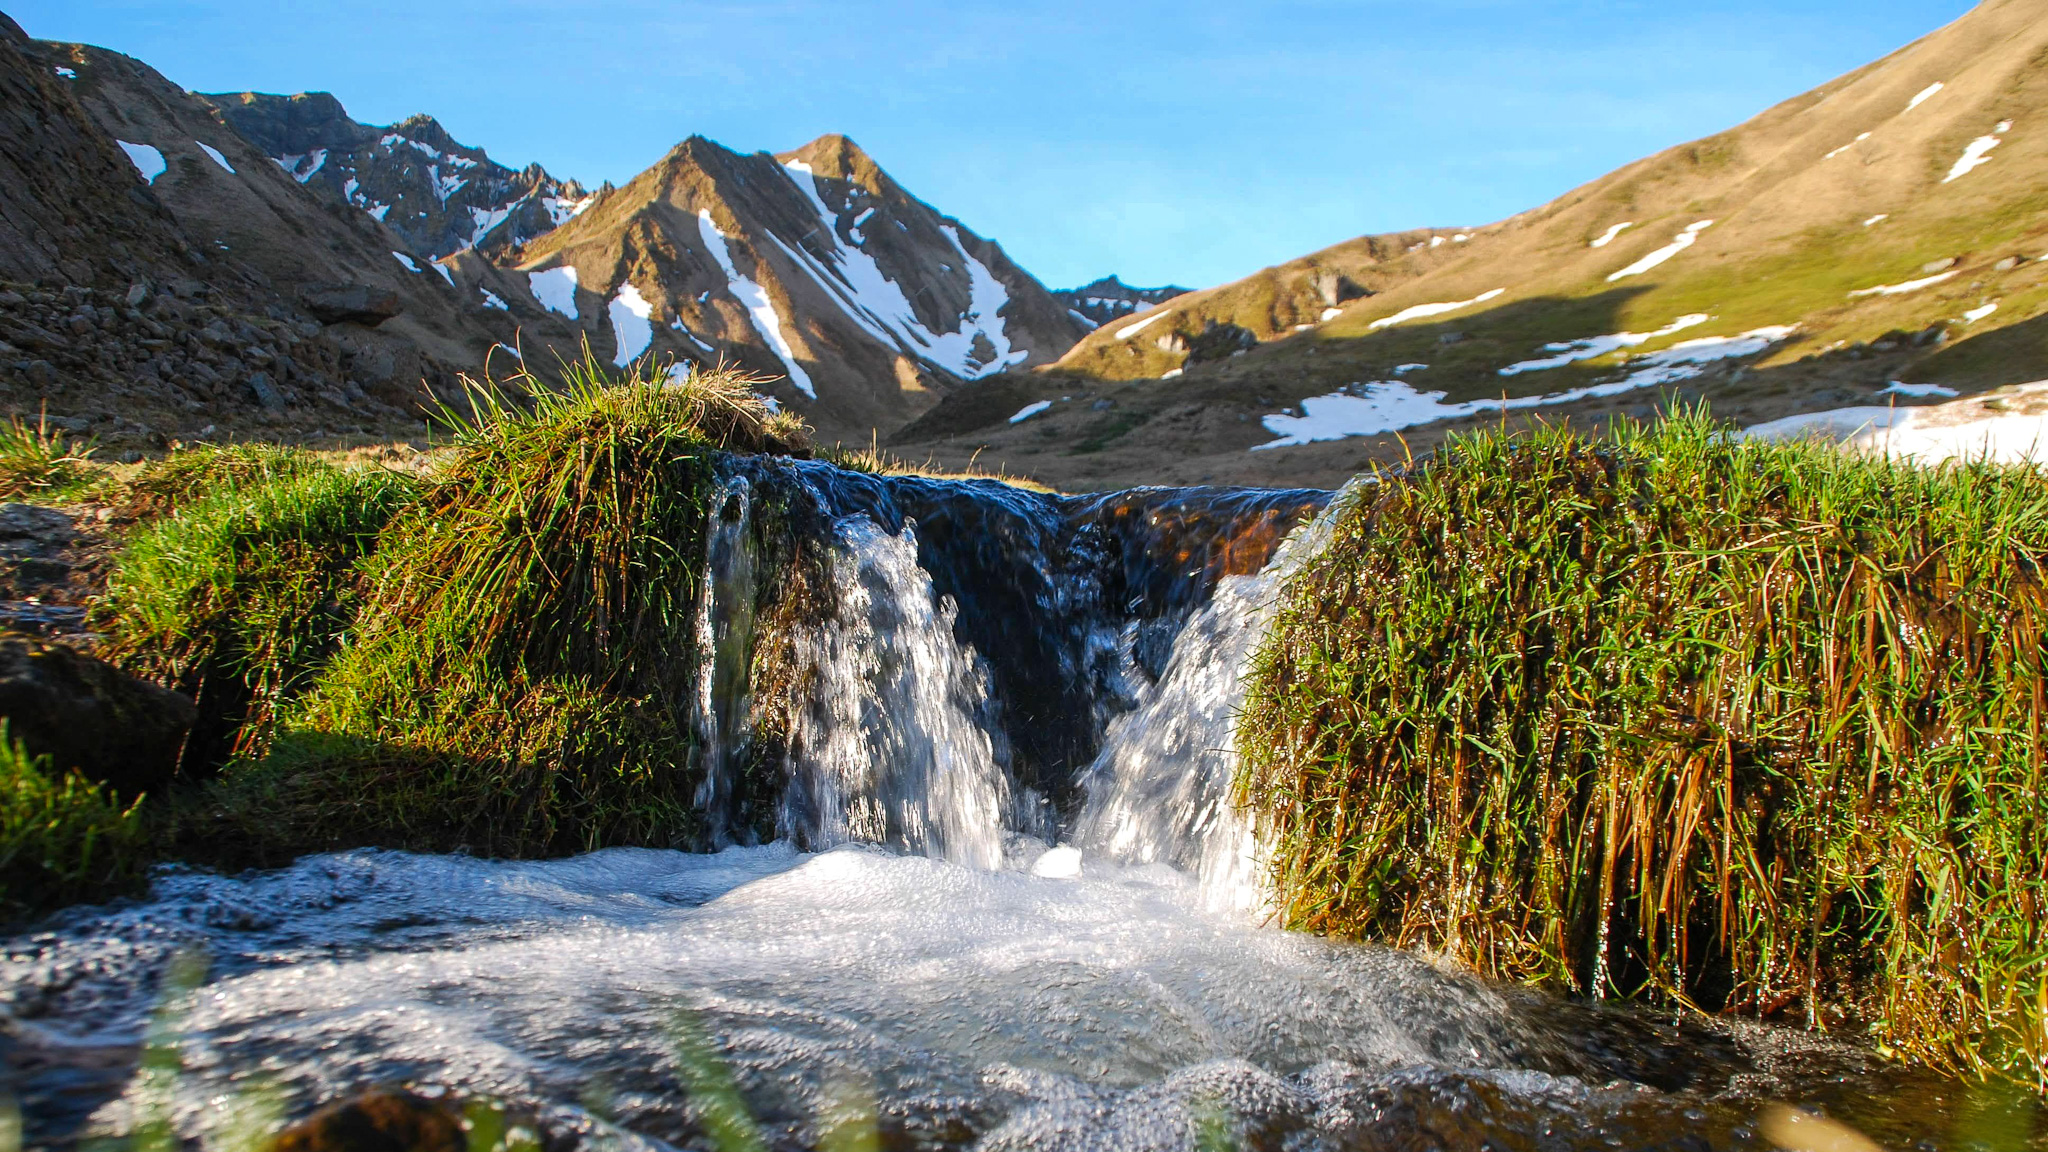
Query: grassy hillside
x,y
1790,219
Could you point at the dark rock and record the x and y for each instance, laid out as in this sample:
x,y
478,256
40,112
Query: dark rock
x,y
138,294
42,373
265,392
380,1120
350,303
87,714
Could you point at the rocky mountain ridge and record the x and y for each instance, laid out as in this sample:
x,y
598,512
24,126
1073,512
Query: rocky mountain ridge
x,y
1109,298
185,266
441,196
858,304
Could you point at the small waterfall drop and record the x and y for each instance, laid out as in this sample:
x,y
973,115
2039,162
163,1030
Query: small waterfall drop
x,y
1160,790
895,744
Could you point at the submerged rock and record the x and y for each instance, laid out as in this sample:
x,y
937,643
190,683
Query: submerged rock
x,y
84,713
380,1120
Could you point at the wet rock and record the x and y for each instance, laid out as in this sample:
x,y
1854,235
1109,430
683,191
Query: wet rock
x,y
350,303
380,1120
87,714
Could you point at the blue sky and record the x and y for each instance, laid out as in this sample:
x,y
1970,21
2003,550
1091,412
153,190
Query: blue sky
x,y
1191,142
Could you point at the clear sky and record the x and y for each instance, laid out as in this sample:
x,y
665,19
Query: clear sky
x,y
1190,142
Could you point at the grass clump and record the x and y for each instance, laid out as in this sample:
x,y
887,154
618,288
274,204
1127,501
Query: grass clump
x,y
522,678
239,598
63,839
36,460
192,474
1757,728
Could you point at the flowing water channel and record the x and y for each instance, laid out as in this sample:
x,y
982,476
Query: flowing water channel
x,y
1005,903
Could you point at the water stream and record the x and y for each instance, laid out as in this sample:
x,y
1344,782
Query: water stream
x,y
1005,904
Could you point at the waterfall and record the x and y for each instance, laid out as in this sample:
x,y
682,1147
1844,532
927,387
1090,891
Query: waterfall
x,y
994,663
895,745
1160,790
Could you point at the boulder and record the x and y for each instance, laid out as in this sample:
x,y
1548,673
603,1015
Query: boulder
x,y
380,1120
84,713
350,303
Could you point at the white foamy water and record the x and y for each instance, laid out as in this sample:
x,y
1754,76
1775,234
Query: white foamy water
x,y
956,996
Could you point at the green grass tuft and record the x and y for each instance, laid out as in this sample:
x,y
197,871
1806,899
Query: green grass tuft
x,y
522,679
38,461
63,839
1752,727
239,598
193,474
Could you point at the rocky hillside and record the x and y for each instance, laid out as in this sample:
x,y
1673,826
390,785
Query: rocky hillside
x,y
859,304
114,321
441,197
1886,227
1110,299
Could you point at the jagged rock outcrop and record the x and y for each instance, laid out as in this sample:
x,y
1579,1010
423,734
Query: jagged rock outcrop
x,y
441,196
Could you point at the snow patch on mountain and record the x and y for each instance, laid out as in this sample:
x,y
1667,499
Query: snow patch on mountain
x,y
632,324
1976,155
1902,289
1421,311
1030,410
147,160
214,155
555,289
1922,96
858,285
1607,237
752,297
1684,240
1383,406
1571,351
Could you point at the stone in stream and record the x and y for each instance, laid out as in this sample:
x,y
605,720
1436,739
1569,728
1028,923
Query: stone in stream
x,y
84,713
380,1120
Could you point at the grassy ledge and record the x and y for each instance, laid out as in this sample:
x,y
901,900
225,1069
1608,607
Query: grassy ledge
x,y
62,839
1756,728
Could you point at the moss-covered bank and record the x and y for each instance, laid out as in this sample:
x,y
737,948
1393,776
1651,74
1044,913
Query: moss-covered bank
x,y
1754,727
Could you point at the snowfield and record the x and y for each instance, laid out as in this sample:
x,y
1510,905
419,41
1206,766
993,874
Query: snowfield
x,y
754,298
1390,405
2009,425
632,326
555,289
1571,351
855,282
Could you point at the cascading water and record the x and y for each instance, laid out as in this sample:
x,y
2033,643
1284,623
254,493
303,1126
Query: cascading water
x,y
984,673
894,745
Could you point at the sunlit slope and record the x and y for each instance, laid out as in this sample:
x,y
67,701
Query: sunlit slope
x,y
1937,153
